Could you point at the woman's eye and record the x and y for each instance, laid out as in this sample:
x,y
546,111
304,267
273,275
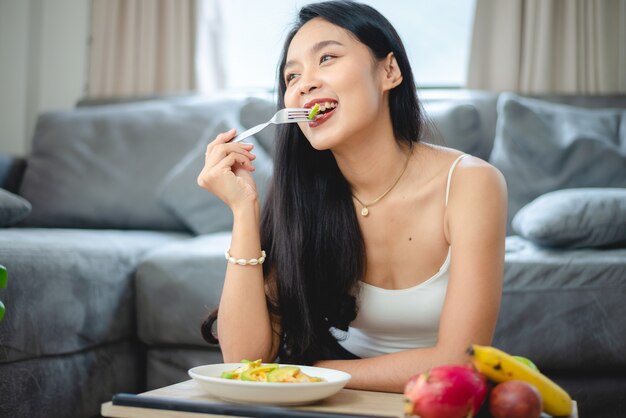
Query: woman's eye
x,y
290,77
325,58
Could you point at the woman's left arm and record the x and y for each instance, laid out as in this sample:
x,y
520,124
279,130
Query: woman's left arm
x,y
475,224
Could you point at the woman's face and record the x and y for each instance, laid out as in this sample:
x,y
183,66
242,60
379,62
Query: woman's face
x,y
327,65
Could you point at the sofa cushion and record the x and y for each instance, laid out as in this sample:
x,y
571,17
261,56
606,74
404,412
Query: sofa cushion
x,y
69,290
576,218
457,125
168,365
100,167
201,211
541,147
12,208
563,308
257,110
177,285
11,172
70,385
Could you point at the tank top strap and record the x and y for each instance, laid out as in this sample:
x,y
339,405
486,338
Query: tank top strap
x,y
459,158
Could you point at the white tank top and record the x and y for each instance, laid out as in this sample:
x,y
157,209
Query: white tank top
x,y
389,321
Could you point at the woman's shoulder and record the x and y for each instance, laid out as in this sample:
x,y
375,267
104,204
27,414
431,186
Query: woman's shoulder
x,y
471,179
441,160
467,176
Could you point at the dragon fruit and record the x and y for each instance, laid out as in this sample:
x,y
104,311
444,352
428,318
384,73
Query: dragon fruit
x,y
453,391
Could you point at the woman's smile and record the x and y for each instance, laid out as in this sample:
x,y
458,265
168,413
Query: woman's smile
x,y
328,108
321,118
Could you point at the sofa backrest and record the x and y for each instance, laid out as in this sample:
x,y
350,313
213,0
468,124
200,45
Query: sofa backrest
x,y
103,166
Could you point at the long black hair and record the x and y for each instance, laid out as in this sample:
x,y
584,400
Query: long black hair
x,y
315,249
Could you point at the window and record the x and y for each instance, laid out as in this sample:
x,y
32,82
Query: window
x,y
436,34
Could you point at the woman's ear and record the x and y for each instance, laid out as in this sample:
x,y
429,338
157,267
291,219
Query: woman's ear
x,y
392,76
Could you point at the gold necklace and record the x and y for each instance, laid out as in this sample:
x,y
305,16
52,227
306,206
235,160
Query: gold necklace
x,y
365,207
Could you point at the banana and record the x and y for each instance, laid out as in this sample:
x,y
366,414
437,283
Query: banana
x,y
500,367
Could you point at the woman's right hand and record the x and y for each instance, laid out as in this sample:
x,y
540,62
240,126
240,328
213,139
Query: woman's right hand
x,y
227,171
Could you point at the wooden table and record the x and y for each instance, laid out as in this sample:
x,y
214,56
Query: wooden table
x,y
346,401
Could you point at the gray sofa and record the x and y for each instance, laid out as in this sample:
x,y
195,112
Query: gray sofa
x,y
115,255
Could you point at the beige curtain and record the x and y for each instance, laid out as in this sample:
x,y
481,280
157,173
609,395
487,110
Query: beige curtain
x,y
549,46
142,47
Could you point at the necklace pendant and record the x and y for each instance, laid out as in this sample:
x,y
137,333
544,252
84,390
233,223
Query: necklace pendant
x,y
365,211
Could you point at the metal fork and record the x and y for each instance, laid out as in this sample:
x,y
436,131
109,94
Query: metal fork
x,y
287,115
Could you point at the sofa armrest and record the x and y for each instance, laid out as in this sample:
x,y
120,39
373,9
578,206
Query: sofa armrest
x,y
11,172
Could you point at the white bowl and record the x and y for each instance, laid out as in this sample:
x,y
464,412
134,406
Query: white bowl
x,y
208,377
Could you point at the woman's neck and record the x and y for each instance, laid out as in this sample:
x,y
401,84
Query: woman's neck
x,y
371,164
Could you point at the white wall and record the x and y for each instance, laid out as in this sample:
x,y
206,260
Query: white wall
x,y
43,64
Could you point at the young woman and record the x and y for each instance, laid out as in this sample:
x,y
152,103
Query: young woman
x,y
384,254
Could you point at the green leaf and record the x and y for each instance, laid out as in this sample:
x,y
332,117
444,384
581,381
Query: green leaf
x,y
1,310
4,276
314,111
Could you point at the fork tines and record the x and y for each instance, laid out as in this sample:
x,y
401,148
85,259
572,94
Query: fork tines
x,y
298,113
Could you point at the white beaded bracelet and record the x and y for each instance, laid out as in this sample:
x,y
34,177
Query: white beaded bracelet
x,y
243,261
